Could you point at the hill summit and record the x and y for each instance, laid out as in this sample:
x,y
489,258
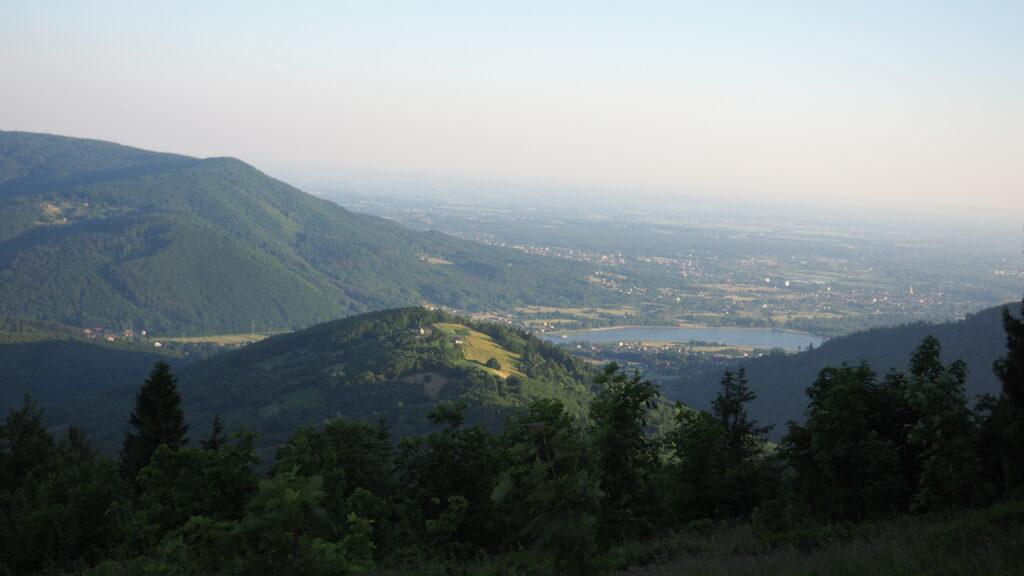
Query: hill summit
x,y
392,366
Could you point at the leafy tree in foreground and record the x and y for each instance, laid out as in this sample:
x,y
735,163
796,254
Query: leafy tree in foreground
x,y
25,444
697,442
157,420
356,462
945,432
1001,444
448,478
845,468
55,498
549,493
627,457
285,531
181,483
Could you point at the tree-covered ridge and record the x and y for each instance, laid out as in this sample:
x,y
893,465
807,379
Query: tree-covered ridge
x,y
780,379
393,365
94,234
30,163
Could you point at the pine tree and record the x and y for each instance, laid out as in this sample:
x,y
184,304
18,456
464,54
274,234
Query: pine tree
x,y
1010,368
156,420
1004,427
216,439
743,435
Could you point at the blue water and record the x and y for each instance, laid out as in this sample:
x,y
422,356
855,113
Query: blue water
x,y
754,337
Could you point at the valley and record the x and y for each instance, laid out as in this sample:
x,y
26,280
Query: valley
x,y
707,264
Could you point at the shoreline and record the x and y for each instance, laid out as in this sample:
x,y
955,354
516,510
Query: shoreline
x,y
576,331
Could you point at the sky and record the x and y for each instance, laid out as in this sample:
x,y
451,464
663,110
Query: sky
x,y
894,103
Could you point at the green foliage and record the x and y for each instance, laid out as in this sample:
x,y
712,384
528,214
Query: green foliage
x,y
448,477
24,444
355,461
697,443
721,469
1010,368
978,339
554,493
54,498
284,531
945,432
743,437
216,439
156,421
870,449
368,367
1001,443
627,457
845,467
214,482
549,490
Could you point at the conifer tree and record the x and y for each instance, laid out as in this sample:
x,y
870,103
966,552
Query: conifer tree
x,y
156,420
216,439
743,435
1010,368
1003,430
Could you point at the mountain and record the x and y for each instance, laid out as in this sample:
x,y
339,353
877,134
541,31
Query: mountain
x,y
393,365
97,234
781,380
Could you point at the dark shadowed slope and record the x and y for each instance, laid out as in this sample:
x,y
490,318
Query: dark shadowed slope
x,y
56,365
780,381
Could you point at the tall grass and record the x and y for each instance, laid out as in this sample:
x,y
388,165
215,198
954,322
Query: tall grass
x,y
978,542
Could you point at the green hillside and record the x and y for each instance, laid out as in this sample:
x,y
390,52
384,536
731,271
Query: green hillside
x,y
97,234
372,366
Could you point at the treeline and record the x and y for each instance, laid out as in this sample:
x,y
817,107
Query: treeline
x,y
551,493
977,339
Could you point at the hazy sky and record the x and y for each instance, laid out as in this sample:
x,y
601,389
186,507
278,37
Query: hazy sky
x,y
862,102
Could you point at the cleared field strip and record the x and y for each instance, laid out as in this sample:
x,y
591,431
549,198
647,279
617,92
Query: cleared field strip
x,y
478,348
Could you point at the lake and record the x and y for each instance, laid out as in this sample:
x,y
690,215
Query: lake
x,y
753,337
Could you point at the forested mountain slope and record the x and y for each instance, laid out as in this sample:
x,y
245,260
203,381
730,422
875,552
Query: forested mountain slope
x,y
393,365
97,234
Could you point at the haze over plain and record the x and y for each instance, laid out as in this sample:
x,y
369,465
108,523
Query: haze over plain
x,y
890,106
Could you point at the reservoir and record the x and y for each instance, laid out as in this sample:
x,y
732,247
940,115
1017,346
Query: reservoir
x,y
730,336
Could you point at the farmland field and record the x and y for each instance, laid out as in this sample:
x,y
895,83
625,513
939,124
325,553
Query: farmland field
x,y
478,348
